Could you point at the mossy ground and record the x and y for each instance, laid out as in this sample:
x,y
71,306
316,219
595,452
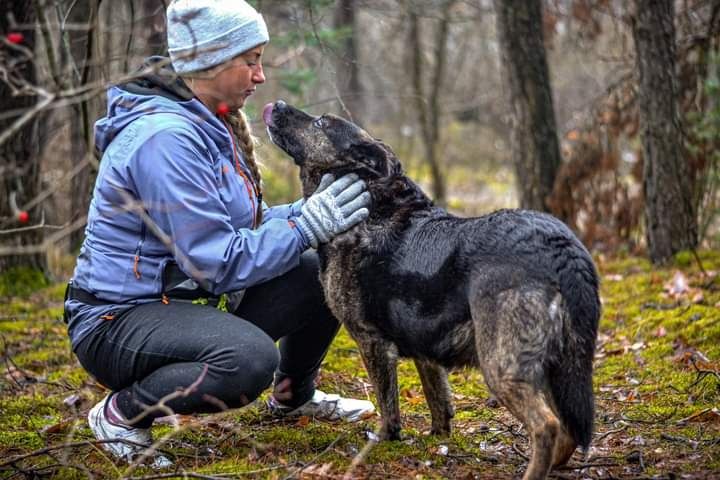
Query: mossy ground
x,y
657,385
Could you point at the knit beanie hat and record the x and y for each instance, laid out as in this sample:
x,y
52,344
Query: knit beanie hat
x,y
205,33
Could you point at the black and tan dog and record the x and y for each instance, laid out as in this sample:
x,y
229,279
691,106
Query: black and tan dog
x,y
513,293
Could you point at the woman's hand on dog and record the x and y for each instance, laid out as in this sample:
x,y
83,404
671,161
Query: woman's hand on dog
x,y
335,207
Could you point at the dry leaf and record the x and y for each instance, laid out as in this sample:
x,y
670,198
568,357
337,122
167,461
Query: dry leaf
x,y
678,285
707,415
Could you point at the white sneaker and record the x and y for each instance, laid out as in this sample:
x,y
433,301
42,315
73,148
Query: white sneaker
x,y
140,437
325,406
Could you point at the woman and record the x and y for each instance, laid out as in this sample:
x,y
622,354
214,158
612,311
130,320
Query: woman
x,y
177,215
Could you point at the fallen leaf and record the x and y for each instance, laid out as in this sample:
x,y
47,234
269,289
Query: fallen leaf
x,y
678,285
707,415
72,400
59,427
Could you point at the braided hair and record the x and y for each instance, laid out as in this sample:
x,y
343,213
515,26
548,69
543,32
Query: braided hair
x,y
241,128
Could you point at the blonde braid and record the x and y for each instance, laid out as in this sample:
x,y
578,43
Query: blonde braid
x,y
241,128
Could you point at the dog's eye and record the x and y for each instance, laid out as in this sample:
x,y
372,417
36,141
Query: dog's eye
x,y
319,122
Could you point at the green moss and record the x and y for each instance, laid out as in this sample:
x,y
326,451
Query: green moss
x,y
684,258
71,376
20,281
641,378
20,440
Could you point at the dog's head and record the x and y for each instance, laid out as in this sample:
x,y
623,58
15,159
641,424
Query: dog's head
x,y
327,144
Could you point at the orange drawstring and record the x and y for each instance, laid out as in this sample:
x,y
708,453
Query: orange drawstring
x,y
135,266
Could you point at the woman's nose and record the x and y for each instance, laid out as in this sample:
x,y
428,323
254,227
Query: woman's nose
x,y
258,75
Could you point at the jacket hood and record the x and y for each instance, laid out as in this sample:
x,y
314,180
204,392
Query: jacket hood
x,y
156,89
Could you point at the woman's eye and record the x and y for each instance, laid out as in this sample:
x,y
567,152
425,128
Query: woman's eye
x,y
319,122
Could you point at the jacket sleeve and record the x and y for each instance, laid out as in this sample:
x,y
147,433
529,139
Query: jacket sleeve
x,y
173,175
286,211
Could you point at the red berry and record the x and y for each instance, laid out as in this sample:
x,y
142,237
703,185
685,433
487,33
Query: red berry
x,y
23,216
223,109
15,37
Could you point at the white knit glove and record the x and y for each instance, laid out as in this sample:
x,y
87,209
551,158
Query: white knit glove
x,y
336,206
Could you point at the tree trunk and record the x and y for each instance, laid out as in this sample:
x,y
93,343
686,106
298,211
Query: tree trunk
x,y
534,142
19,154
670,220
429,107
79,61
348,83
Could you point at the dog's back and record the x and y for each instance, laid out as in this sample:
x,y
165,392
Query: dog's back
x,y
535,297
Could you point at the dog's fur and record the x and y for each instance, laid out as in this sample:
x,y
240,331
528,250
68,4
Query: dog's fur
x,y
513,293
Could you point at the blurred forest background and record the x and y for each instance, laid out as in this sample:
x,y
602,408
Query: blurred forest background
x,y
539,104
605,113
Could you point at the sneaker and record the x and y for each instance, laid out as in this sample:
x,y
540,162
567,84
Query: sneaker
x,y
104,429
325,406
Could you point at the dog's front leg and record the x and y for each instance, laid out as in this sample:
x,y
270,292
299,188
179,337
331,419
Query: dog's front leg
x,y
380,357
437,392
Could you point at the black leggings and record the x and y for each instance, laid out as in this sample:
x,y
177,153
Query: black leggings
x,y
154,349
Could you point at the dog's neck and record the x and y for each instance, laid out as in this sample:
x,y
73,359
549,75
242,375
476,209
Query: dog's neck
x,y
393,196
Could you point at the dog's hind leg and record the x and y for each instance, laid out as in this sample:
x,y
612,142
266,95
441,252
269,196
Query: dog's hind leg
x,y
518,329
438,395
380,358
532,408
564,448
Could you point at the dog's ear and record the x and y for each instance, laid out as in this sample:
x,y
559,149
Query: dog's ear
x,y
375,156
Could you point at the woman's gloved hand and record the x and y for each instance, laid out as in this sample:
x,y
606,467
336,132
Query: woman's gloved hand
x,y
336,206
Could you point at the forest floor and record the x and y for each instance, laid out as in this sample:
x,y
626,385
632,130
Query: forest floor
x,y
657,386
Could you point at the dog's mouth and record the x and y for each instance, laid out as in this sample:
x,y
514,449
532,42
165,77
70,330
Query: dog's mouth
x,y
267,115
275,115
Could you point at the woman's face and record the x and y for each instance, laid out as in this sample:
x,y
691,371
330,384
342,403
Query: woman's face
x,y
234,81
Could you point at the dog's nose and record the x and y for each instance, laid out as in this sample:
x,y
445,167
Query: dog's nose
x,y
280,105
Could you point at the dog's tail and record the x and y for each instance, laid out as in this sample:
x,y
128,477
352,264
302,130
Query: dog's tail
x,y
570,372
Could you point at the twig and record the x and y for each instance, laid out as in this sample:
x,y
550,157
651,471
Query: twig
x,y
221,476
699,262
360,457
610,432
42,247
33,227
52,448
519,452
314,459
580,466
20,122
182,474
161,405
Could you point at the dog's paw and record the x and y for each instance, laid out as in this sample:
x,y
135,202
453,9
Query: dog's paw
x,y
390,432
441,431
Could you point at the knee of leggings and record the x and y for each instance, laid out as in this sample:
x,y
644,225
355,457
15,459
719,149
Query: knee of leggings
x,y
255,374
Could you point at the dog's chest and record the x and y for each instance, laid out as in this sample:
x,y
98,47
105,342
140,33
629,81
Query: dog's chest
x,y
344,293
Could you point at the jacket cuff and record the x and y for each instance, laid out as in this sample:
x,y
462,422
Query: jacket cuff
x,y
302,228
300,231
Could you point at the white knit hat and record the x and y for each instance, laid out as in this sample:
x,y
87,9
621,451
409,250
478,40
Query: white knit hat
x,y
205,33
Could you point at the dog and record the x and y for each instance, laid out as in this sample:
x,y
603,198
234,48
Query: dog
x,y
513,293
